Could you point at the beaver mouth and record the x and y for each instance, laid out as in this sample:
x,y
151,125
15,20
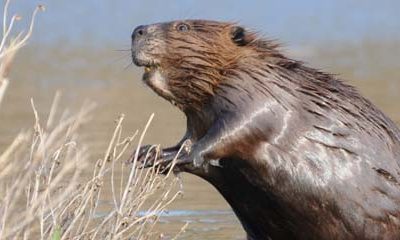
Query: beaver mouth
x,y
155,77
141,60
149,69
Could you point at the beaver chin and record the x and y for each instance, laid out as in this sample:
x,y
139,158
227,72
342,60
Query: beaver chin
x,y
152,74
155,78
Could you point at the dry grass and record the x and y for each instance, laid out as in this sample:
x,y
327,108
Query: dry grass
x,y
10,45
43,194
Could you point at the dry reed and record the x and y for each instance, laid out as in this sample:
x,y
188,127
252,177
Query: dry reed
x,y
43,193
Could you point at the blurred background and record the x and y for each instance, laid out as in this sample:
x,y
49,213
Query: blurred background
x,y
82,49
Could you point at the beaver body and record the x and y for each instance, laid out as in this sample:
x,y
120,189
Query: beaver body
x,y
297,153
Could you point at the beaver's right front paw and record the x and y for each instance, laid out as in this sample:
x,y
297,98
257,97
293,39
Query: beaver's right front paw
x,y
146,156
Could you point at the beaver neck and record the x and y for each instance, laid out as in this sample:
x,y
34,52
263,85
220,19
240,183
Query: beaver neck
x,y
198,122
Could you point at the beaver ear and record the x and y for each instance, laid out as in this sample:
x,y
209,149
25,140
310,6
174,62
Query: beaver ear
x,y
238,36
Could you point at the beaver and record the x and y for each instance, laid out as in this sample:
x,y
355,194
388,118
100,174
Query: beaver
x,y
296,152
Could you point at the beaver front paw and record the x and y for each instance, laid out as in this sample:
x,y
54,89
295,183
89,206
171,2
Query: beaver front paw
x,y
146,156
153,156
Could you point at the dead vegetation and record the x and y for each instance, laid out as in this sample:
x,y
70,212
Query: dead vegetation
x,y
43,193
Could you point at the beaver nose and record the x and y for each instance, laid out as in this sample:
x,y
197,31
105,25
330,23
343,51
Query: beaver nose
x,y
143,31
139,31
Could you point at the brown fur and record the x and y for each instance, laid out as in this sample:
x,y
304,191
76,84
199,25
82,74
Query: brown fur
x,y
201,64
198,63
302,155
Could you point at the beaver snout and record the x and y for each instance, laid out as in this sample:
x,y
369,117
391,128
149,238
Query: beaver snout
x,y
139,32
137,48
146,44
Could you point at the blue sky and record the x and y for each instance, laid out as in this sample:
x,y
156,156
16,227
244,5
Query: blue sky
x,y
96,22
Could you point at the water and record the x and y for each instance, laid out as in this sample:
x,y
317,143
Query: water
x,y
64,59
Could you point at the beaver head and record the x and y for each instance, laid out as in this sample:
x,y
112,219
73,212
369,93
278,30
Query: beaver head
x,y
185,61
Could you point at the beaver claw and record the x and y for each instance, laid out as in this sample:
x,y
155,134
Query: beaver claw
x,y
153,156
148,154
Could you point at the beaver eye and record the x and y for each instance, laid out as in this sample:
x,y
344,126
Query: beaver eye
x,y
182,27
238,36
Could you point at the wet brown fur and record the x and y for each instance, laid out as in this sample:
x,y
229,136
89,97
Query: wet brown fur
x,y
202,63
212,77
